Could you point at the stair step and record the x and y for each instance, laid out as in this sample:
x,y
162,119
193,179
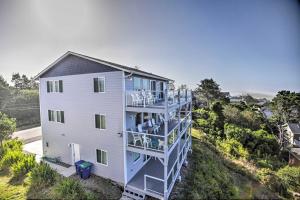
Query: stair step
x,y
129,194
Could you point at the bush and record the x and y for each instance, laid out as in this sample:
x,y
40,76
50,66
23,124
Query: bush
x,y
233,147
234,132
12,145
23,166
42,175
272,181
69,189
11,157
290,176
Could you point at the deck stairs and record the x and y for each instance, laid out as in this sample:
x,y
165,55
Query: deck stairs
x,y
131,194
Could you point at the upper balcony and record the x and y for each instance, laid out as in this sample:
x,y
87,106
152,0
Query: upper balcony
x,y
156,99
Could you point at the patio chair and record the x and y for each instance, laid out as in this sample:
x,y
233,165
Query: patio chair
x,y
141,130
155,126
136,137
149,97
161,119
160,144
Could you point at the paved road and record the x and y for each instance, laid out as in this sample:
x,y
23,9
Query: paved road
x,y
29,135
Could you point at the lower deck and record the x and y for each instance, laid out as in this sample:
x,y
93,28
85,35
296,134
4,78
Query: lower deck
x,y
149,179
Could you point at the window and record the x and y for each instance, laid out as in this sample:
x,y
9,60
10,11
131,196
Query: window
x,y
100,121
136,83
101,156
99,84
146,84
55,86
136,156
56,116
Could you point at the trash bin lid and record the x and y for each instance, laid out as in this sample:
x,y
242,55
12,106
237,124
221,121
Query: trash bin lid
x,y
85,165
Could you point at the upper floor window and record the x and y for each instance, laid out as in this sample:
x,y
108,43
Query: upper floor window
x,y
141,83
55,86
99,84
56,116
100,121
101,156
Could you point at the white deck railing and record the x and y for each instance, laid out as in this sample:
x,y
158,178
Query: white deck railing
x,y
145,141
174,171
152,189
144,98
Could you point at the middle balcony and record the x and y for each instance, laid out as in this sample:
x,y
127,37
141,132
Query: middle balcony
x,y
149,136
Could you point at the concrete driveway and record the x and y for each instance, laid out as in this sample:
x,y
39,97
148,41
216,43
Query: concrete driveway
x,y
29,135
32,139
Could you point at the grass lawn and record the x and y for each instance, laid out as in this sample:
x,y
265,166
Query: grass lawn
x,y
10,189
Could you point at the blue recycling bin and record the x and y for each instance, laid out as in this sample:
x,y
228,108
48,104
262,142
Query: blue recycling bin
x,y
85,169
77,166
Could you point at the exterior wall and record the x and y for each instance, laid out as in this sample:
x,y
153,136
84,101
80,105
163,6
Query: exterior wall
x,y
80,104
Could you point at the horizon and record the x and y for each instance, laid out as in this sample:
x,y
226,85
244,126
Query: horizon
x,y
246,47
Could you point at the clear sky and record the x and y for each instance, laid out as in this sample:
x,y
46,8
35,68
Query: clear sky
x,y
246,46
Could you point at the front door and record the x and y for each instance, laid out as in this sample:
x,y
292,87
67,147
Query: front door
x,y
75,152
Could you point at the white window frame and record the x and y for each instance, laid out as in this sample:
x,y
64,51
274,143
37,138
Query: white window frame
x,y
101,156
104,84
53,86
100,114
55,116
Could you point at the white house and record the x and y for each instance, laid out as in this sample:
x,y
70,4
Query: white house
x,y
127,122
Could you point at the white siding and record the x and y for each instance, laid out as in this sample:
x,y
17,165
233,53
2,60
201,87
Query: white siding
x,y
80,104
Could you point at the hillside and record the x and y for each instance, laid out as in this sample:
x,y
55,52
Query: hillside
x,y
211,175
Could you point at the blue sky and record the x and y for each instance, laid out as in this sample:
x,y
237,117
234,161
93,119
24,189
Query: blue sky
x,y
246,46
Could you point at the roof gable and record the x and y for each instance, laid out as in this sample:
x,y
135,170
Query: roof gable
x,y
73,63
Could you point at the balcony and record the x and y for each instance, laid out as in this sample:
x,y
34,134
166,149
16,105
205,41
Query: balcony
x,y
153,138
157,99
150,178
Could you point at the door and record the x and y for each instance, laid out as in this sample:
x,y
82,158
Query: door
x,y
75,152
153,87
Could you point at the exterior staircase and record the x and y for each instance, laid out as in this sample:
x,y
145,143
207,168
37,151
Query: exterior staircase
x,y
131,194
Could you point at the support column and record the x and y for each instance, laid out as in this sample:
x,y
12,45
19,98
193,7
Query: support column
x,y
166,158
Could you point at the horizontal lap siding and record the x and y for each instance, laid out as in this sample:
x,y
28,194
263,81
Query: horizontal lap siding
x,y
80,104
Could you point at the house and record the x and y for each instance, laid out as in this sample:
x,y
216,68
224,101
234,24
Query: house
x,y
291,134
127,122
290,137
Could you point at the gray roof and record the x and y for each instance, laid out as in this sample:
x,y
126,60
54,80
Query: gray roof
x,y
111,64
295,127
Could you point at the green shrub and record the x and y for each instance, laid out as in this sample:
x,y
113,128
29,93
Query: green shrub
x,y
272,181
69,189
12,145
234,132
42,175
233,147
11,157
290,176
23,166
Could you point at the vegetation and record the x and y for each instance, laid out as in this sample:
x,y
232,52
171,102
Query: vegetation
x,y
240,133
7,127
208,91
69,189
20,101
286,107
43,176
210,175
